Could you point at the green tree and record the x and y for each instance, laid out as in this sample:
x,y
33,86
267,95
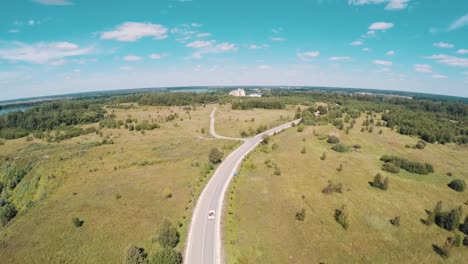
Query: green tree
x,y
135,255
215,156
167,236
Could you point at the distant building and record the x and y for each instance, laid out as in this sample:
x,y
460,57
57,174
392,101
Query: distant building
x,y
255,95
238,92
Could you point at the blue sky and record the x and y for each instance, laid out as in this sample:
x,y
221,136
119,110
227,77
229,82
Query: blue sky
x,y
65,46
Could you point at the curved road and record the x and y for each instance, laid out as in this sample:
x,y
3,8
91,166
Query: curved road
x,y
204,238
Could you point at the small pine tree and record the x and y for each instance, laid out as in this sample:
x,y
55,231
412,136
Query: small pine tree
x,y
385,184
303,151
324,156
341,216
340,168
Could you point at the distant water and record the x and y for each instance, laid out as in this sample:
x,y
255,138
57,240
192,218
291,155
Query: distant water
x,y
13,109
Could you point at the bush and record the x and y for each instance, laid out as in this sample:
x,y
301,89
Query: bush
x,y
266,139
7,212
300,216
464,226
379,182
324,156
333,187
135,255
168,236
341,216
333,140
465,241
449,220
390,168
395,221
420,145
167,193
215,155
340,148
410,166
458,185
303,151
300,128
77,222
167,256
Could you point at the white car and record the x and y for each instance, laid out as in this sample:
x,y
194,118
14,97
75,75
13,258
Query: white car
x,y
211,215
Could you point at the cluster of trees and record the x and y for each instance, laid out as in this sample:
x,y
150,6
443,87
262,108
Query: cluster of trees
x,y
333,187
49,116
394,163
170,99
266,103
458,185
7,211
253,132
449,220
215,156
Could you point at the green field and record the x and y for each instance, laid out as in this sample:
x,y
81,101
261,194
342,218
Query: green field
x,y
118,189
260,224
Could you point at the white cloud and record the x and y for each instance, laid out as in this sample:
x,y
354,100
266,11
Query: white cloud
x,y
254,46
305,56
390,53
131,58
380,26
31,22
203,35
213,49
77,70
13,31
133,31
343,58
424,68
125,68
42,53
58,62
450,60
443,45
54,2
459,23
356,43
196,25
465,73
365,49
265,67
200,44
156,56
391,4
439,76
462,51
382,62
277,30
278,39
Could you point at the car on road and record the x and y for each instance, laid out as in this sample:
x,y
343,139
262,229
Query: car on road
x,y
211,215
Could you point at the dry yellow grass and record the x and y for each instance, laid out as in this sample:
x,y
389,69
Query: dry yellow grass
x,y
260,224
81,181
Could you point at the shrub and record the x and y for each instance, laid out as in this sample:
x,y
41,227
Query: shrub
x,y
379,182
340,168
450,174
7,212
300,128
341,216
277,171
458,185
420,145
333,187
274,146
168,236
340,148
357,146
333,140
464,226
324,156
465,241
445,250
303,151
266,139
390,168
135,255
395,221
215,155
300,216
410,166
167,256
77,222
448,220
167,193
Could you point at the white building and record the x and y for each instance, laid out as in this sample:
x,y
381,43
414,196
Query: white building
x,y
238,92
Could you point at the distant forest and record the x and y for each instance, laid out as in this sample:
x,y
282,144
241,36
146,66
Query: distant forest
x,y
433,119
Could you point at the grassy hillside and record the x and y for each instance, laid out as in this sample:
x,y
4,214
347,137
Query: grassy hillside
x,y
262,206
119,190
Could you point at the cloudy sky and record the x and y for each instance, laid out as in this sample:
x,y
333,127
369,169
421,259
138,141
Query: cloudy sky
x,y
65,46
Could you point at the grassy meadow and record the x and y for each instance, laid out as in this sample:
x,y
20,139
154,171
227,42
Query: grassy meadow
x,y
231,122
259,220
119,190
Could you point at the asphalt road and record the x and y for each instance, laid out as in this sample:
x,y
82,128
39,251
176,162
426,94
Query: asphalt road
x,y
204,238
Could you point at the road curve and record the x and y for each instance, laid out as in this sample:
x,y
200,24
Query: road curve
x,y
204,238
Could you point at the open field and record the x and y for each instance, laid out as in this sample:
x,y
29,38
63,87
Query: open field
x,y
260,224
118,189
231,123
